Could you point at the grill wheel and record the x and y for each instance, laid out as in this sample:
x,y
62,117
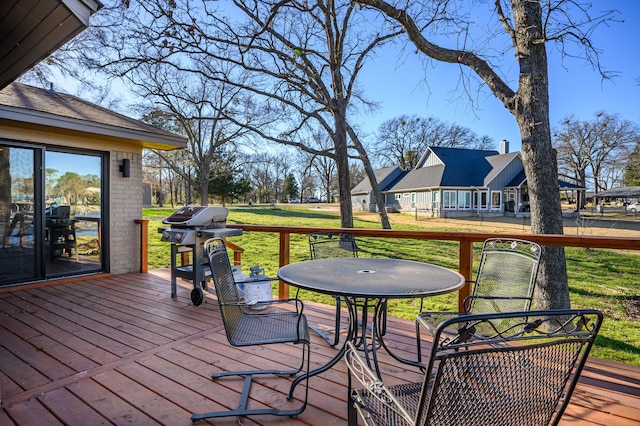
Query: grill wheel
x,y
197,296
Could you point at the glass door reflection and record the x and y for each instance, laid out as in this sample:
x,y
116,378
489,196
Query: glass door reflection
x,y
19,260
73,213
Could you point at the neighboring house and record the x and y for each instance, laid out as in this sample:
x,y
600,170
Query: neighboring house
x,y
456,182
70,185
362,198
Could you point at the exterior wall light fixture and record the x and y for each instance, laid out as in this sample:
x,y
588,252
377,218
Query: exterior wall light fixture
x,y
125,168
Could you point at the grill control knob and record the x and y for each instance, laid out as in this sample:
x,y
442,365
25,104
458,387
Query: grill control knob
x,y
179,236
166,235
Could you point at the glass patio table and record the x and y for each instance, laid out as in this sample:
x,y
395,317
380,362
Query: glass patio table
x,y
364,284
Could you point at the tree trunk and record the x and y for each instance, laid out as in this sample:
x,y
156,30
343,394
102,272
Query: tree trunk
x,y
203,185
342,163
531,109
377,193
582,181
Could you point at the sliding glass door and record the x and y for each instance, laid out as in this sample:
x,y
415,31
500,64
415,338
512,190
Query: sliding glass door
x,y
51,213
73,212
20,225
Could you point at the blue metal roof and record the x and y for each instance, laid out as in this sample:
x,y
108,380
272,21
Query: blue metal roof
x,y
464,167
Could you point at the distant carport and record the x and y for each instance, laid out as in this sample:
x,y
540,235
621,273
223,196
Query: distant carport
x,y
621,192
574,193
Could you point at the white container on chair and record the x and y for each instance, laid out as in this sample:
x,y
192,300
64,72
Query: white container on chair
x,y
257,288
239,278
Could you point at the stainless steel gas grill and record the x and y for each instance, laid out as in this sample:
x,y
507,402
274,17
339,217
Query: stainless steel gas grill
x,y
190,227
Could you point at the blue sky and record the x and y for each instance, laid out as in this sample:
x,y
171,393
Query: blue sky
x,y
399,83
574,89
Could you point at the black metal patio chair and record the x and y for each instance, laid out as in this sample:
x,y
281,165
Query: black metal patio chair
x,y
505,282
522,373
326,245
246,328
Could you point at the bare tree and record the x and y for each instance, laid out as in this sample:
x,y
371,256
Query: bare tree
x,y
284,165
356,173
262,170
526,27
599,146
308,184
573,156
303,60
127,42
403,140
615,139
307,56
632,167
325,168
205,111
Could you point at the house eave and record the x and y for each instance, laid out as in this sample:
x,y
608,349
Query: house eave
x,y
47,120
31,30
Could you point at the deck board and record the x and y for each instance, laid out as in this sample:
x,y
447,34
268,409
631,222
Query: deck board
x,y
119,350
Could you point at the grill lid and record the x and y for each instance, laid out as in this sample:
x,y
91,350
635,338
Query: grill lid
x,y
198,216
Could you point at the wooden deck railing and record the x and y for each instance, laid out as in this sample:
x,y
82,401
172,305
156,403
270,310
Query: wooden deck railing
x,y
465,240
144,244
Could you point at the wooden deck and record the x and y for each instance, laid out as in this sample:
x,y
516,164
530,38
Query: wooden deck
x,y
119,350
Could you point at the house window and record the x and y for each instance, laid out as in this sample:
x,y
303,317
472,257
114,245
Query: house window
x,y
484,200
435,200
496,200
464,200
449,200
480,200
398,196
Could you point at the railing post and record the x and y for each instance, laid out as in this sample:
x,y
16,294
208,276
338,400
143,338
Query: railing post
x,y
237,252
465,267
285,249
144,244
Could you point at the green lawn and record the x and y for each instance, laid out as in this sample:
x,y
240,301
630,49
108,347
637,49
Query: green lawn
x,y
598,278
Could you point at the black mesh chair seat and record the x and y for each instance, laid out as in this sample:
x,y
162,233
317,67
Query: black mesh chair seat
x,y
505,282
521,371
266,328
246,328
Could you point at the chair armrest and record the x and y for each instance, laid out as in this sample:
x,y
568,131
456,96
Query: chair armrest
x,y
498,297
370,383
298,302
429,321
467,300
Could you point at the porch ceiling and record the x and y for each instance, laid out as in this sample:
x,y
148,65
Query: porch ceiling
x,y
30,30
